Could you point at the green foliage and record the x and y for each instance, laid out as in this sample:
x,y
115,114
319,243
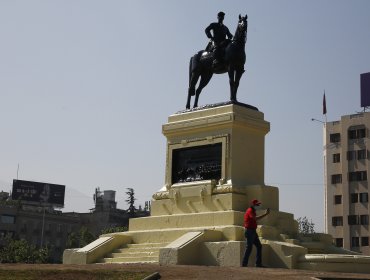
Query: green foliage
x,y
80,239
305,226
114,229
20,251
131,201
86,237
16,203
73,240
37,273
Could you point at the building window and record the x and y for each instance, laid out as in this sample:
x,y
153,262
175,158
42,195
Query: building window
x,y
354,197
8,219
339,242
361,154
352,219
361,133
337,221
357,176
336,178
364,241
336,158
364,219
335,137
356,133
364,197
337,199
355,242
351,155
352,134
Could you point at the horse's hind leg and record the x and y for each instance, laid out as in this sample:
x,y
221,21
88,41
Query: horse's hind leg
x,y
204,80
191,91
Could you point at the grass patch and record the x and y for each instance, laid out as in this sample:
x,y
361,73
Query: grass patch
x,y
71,274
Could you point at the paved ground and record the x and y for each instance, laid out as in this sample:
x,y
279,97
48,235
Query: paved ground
x,y
198,272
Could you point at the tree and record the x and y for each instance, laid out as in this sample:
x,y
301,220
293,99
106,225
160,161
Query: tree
x,y
73,240
80,239
20,251
305,226
86,237
131,201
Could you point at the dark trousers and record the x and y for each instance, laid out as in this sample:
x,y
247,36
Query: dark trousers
x,y
252,238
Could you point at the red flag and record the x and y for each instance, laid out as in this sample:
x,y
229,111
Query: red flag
x,y
324,105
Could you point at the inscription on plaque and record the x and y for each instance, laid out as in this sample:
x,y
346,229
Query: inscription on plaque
x,y
196,163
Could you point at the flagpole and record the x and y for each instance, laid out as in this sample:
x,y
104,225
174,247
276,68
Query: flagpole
x,y
324,111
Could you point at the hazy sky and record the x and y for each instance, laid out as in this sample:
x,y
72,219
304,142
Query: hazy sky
x,y
86,85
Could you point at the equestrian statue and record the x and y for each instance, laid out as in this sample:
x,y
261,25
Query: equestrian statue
x,y
220,56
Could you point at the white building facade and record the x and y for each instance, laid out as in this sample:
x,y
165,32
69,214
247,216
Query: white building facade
x,y
346,163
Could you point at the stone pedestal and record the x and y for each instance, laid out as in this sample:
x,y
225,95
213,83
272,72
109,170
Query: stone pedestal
x,y
239,130
239,133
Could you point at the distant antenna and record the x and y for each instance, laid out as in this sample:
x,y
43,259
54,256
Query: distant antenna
x,y
17,171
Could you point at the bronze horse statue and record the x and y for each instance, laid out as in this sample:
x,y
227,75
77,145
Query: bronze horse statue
x,y
201,64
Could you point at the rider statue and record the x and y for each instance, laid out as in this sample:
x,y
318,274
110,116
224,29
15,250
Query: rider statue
x,y
220,32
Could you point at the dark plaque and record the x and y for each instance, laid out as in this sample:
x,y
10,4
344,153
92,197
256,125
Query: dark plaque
x,y
197,163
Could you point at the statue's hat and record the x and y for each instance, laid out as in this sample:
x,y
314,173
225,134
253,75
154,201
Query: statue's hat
x,y
221,14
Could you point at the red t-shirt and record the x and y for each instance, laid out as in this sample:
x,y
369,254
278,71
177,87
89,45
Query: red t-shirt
x,y
250,218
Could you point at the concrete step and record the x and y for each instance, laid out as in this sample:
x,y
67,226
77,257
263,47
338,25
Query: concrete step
x,y
136,250
146,245
135,253
315,251
130,260
314,247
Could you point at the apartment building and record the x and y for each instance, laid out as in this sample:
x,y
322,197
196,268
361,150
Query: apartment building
x,y
346,161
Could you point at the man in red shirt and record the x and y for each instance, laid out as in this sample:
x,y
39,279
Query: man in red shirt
x,y
250,224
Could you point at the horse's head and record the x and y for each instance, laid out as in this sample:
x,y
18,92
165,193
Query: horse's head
x,y
241,30
243,24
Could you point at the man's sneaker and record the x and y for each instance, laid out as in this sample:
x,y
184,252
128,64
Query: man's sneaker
x,y
260,265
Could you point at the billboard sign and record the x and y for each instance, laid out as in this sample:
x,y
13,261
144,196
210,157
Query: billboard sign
x,y
37,192
365,89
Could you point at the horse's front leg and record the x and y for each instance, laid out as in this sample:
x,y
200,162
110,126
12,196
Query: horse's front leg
x,y
196,100
238,75
232,84
188,101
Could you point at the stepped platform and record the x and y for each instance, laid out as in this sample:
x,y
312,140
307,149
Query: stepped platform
x,y
135,253
214,168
